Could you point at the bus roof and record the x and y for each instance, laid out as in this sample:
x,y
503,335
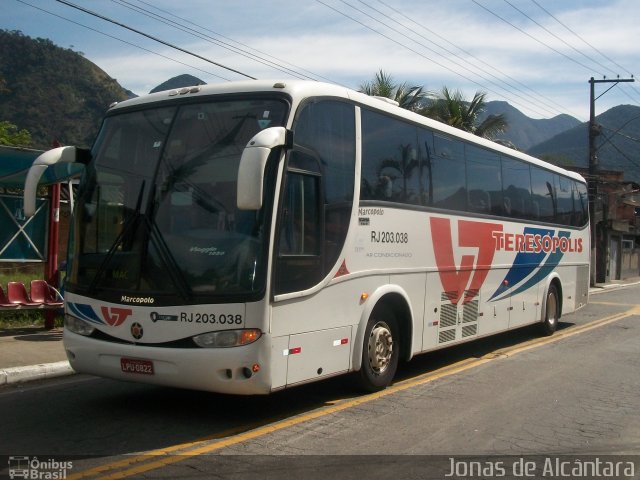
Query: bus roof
x,y
299,90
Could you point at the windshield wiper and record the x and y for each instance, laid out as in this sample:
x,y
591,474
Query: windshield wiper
x,y
129,225
169,260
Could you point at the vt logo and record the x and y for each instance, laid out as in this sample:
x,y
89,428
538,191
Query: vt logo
x,y
115,316
454,278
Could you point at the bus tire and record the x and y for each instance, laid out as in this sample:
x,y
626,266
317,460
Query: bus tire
x,y
380,350
551,311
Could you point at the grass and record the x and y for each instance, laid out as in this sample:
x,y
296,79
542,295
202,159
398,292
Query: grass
x,y
22,318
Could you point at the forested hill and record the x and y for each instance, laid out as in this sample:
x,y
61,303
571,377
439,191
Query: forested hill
x,y
60,96
180,81
525,132
54,93
618,145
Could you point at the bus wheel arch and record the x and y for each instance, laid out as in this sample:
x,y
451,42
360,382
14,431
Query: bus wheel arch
x,y
551,307
383,338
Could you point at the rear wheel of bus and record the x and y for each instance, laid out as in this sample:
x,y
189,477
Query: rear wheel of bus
x,y
552,311
380,350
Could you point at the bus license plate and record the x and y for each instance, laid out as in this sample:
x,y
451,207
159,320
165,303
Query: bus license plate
x,y
134,365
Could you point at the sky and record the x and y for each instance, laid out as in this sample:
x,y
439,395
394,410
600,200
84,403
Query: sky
x,y
538,55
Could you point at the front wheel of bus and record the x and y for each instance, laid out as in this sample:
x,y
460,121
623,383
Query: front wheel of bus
x,y
552,311
380,350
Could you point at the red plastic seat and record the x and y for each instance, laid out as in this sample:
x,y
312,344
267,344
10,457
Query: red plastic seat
x,y
42,292
17,294
4,301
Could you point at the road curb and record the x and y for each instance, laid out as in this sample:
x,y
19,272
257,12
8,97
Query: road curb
x,y
34,372
609,286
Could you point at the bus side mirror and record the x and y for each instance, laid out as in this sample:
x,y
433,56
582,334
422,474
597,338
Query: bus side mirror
x,y
40,164
252,165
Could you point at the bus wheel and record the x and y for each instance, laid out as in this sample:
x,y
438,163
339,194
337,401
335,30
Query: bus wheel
x,y
552,311
381,350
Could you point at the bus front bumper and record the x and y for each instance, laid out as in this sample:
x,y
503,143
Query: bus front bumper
x,y
237,370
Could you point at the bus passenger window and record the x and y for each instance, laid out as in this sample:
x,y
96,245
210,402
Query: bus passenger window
x,y
484,181
390,167
516,189
563,187
543,194
448,174
581,204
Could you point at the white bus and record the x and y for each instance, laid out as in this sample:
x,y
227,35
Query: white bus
x,y
247,237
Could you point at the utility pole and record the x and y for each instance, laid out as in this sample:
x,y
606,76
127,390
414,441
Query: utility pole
x,y
598,255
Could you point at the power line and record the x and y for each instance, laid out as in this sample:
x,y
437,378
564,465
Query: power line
x,y
469,54
617,132
532,37
210,39
236,42
552,107
616,148
580,38
633,86
557,37
121,40
626,94
151,37
475,82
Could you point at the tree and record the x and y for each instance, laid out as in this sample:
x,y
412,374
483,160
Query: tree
x,y
409,97
451,108
10,135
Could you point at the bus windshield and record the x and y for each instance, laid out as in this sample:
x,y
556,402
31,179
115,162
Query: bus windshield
x,y
156,213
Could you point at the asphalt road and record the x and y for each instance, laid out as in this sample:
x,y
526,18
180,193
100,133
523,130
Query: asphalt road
x,y
508,400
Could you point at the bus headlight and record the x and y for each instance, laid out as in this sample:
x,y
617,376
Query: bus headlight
x,y
227,338
75,325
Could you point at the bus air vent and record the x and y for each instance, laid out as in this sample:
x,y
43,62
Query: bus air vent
x,y
448,315
447,336
469,330
470,312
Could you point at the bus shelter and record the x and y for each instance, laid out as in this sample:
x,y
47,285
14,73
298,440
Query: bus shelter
x,y
34,239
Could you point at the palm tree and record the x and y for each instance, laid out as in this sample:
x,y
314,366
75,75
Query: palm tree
x,y
454,110
383,85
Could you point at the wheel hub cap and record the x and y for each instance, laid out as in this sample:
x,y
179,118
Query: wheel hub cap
x,y
380,347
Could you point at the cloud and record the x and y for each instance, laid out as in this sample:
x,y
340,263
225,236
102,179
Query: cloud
x,y
487,53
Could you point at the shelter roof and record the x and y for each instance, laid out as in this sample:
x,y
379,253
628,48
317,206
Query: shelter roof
x,y
15,163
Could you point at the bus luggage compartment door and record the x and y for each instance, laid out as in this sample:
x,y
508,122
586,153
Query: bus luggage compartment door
x,y
316,354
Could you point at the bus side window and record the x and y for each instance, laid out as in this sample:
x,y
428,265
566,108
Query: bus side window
x,y
516,189
564,192
479,201
581,204
324,137
390,167
543,193
448,174
484,181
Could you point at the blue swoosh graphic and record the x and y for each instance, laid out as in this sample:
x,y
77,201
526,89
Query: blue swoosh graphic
x,y
549,265
85,312
525,263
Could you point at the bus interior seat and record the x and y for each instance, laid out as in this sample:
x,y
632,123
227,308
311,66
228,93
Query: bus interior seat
x,y
535,209
479,201
507,206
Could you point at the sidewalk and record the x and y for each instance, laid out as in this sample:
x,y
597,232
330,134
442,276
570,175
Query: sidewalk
x,y
613,284
33,353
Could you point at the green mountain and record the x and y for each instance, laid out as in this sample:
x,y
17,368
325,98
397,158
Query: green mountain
x,y
60,96
180,81
524,132
618,144
54,93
